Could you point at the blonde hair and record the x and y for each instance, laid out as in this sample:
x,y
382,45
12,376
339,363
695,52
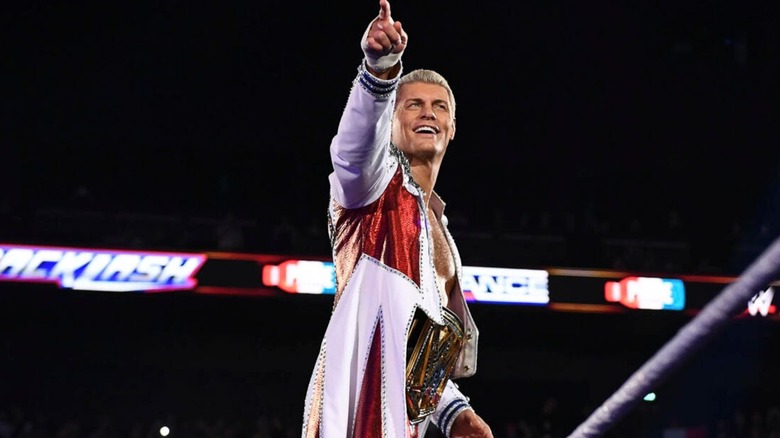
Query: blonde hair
x,y
428,77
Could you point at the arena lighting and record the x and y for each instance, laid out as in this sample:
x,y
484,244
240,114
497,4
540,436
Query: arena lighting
x,y
506,285
260,275
301,276
100,269
648,293
484,284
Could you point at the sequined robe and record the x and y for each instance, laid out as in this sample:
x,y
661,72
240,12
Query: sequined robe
x,y
384,269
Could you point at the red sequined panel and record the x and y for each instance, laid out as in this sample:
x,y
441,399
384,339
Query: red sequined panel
x,y
368,418
387,229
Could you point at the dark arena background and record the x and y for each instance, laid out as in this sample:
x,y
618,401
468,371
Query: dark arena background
x,y
618,160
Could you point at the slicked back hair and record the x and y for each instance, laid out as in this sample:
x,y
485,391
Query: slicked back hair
x,y
428,77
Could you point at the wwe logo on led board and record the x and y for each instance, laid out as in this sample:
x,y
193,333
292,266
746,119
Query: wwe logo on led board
x,y
761,303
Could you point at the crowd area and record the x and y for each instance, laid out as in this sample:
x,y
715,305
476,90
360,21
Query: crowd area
x,y
552,419
18,423
649,235
669,240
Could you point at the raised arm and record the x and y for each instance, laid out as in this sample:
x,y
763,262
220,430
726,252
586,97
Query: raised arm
x,y
359,148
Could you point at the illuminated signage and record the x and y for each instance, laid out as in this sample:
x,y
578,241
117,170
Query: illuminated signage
x,y
521,286
301,276
761,303
100,270
267,275
504,285
649,293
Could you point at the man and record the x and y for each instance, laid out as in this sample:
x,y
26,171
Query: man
x,y
400,330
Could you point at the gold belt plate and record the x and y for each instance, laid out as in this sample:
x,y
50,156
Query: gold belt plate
x,y
433,350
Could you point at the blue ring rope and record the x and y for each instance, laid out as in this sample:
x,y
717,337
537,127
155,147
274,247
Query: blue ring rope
x,y
713,317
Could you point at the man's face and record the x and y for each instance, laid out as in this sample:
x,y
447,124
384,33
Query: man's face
x,y
422,123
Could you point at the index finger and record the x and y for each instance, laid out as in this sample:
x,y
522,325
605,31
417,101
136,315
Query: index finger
x,y
384,10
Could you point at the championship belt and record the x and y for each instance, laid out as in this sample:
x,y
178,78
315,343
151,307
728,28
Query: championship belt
x,y
432,351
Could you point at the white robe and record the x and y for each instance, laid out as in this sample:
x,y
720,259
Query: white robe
x,y
385,271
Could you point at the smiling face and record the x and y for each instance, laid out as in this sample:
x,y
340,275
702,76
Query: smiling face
x,y
423,122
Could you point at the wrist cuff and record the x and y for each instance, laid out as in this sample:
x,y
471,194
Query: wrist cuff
x,y
450,413
381,89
